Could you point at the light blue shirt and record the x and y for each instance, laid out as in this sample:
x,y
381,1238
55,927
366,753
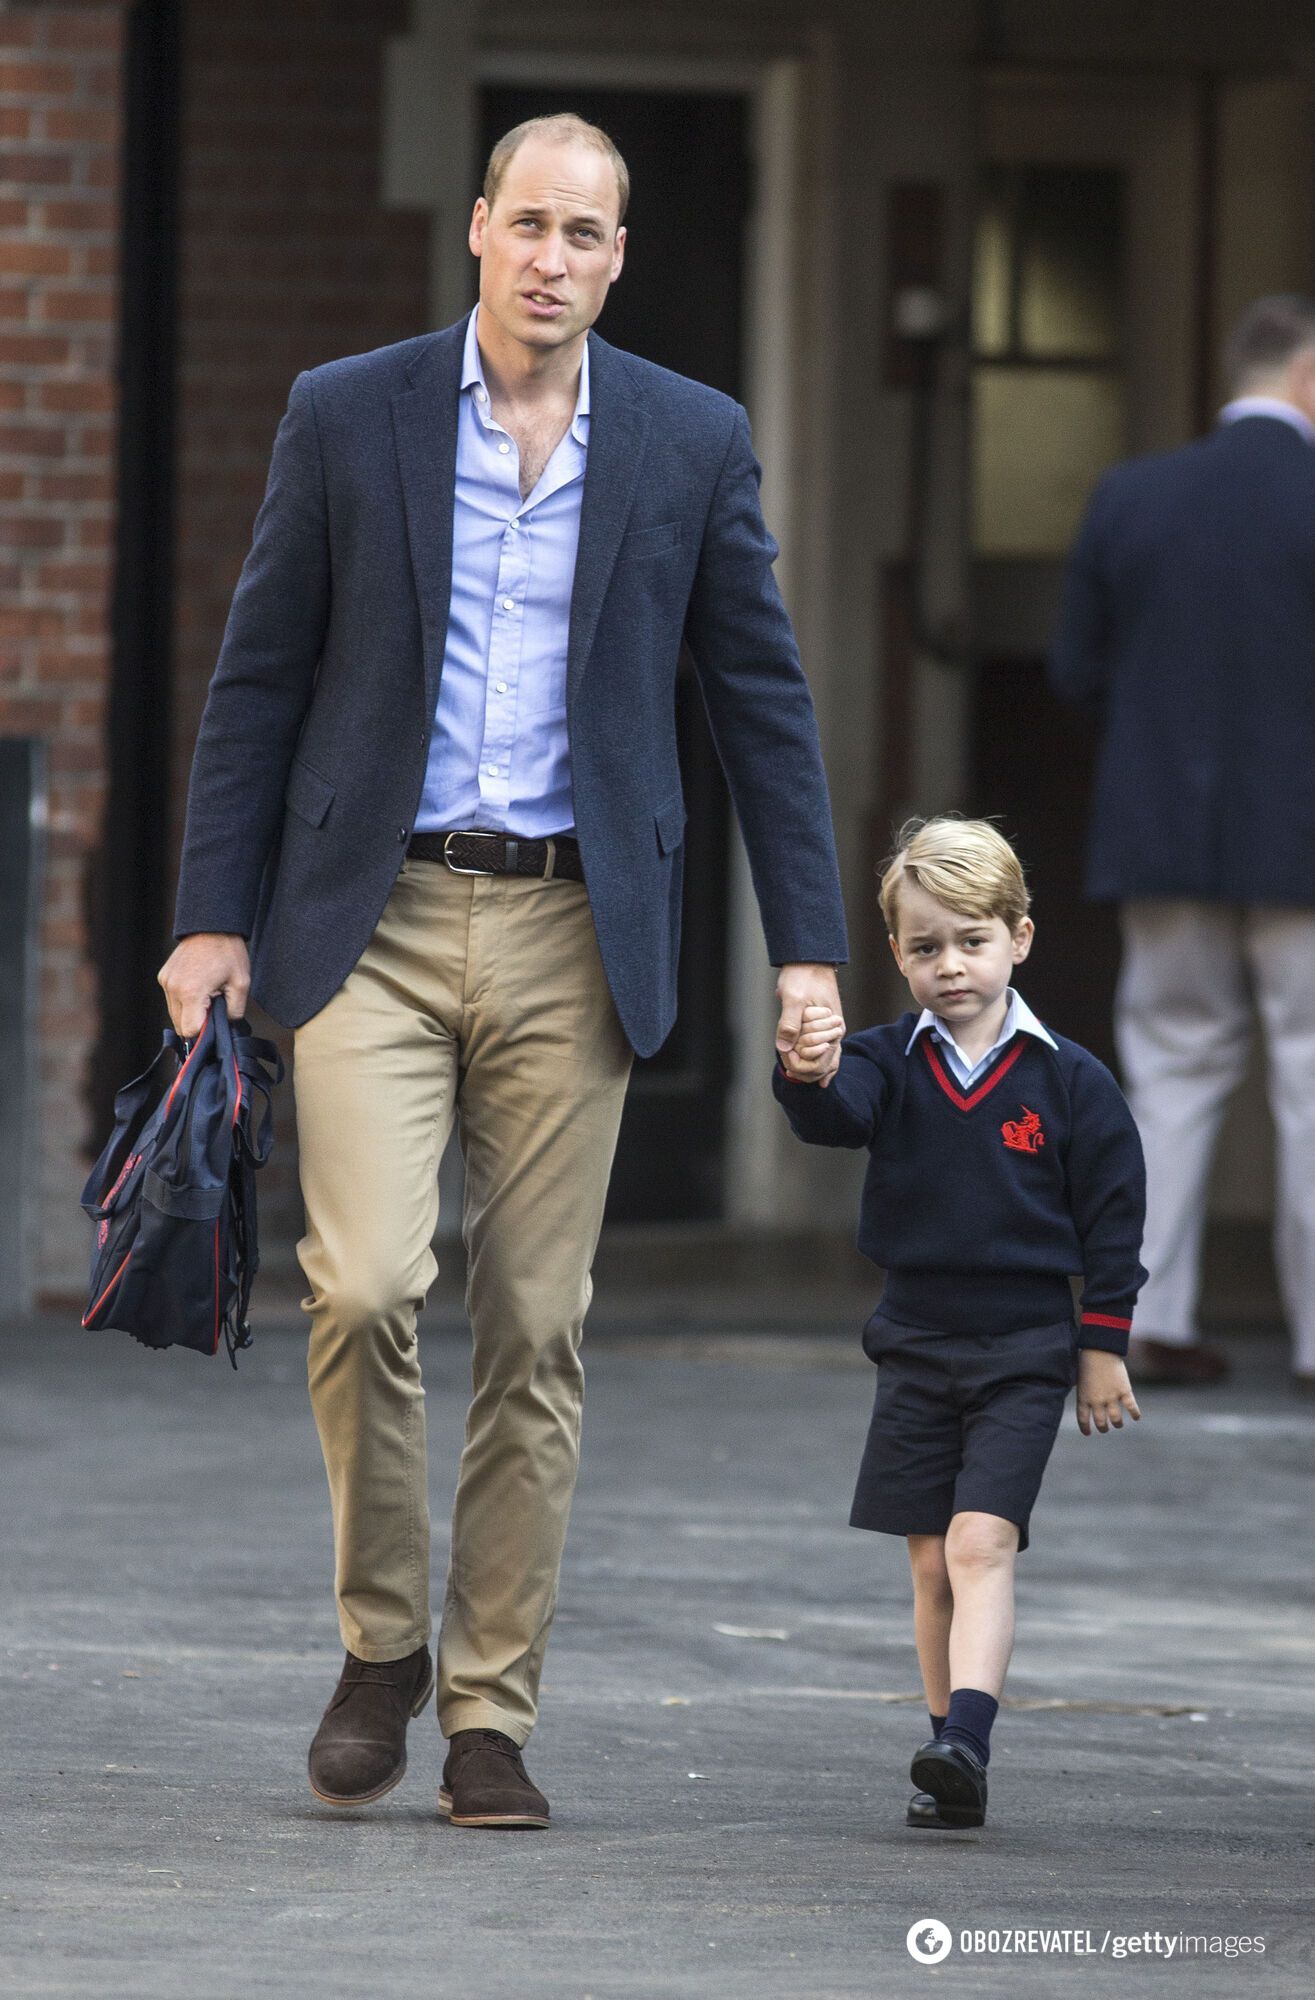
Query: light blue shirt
x,y
499,755
1019,1019
1268,406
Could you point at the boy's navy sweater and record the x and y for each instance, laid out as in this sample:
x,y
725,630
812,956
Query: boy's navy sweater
x,y
978,1204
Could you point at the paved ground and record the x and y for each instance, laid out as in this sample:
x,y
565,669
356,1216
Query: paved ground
x,y
729,1708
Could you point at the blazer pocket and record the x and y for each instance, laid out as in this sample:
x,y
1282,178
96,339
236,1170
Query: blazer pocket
x,y
645,542
308,794
669,819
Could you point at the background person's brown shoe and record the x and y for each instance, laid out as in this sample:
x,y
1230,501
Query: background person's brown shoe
x,y
359,1751
485,1783
1174,1364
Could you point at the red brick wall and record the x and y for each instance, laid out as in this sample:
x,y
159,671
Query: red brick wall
x,y
60,85
287,260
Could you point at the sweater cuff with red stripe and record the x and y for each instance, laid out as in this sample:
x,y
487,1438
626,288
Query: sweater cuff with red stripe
x,y
1107,1331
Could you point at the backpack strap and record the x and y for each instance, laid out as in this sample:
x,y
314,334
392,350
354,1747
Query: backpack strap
x,y
130,1104
261,1067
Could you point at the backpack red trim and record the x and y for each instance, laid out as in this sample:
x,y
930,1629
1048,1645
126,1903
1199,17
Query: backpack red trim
x,y
91,1311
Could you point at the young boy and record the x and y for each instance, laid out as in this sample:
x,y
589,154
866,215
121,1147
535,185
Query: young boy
x,y
1002,1158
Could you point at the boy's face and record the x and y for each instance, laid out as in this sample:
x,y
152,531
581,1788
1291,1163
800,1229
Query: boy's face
x,y
956,965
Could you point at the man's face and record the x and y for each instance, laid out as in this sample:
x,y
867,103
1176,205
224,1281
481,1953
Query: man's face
x,y
550,246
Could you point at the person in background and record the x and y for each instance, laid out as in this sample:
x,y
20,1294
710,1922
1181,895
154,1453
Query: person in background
x,y
1188,623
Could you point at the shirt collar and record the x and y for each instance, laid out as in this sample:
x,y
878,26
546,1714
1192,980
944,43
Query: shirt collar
x,y
1019,1020
472,377
1268,406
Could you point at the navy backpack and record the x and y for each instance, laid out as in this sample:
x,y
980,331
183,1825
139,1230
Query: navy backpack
x,y
173,1196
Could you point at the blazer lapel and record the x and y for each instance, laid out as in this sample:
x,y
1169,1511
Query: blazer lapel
x,y
425,434
618,427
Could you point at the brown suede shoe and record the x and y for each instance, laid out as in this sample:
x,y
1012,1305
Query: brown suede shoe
x,y
486,1784
359,1752
1170,1363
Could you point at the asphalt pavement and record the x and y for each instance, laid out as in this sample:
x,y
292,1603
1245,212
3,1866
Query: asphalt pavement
x,y
729,1706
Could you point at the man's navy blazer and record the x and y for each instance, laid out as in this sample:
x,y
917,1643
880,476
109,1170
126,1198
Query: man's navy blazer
x,y
313,746
1188,619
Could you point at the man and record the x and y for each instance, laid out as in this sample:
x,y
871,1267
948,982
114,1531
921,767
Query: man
x,y
1189,618
436,785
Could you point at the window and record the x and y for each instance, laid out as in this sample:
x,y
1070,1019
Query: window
x,y
1049,404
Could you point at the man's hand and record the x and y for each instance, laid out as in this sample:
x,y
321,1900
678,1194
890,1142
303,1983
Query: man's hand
x,y
1104,1391
801,986
207,963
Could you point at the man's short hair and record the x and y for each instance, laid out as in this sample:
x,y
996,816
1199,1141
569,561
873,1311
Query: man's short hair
x,y
966,864
1267,336
559,128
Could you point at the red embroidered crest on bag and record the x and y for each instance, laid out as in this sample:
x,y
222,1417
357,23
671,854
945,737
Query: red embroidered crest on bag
x,y
1024,1135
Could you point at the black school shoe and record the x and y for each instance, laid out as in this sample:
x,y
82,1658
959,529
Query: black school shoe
x,y
951,1777
924,1812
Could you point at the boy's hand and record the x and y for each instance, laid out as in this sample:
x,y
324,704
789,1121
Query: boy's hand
x,y
1104,1391
815,1057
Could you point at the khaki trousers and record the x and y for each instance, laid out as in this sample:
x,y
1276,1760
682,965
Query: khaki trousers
x,y
484,998
1194,979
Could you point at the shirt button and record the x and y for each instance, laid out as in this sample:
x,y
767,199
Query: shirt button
x,y
481,396
504,449
509,604
492,770
501,687
513,524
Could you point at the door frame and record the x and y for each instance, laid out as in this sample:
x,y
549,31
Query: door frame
x,y
779,271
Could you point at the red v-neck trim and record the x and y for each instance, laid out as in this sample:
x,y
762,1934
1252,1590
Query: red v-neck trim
x,y
952,1090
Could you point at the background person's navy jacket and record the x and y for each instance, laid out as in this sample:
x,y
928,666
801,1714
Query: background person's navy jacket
x,y
311,755
1189,619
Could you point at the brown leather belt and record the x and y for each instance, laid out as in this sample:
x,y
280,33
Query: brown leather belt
x,y
476,853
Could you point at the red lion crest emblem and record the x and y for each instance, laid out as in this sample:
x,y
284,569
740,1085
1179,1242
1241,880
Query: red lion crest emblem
x,y
1024,1135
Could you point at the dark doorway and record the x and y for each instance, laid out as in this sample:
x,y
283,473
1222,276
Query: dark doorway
x,y
678,302
1033,762
129,887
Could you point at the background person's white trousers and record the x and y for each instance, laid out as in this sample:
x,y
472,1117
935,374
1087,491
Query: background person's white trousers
x,y
1195,978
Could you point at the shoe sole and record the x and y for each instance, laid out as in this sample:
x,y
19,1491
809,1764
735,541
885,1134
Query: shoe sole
x,y
510,1820
390,1783
953,1791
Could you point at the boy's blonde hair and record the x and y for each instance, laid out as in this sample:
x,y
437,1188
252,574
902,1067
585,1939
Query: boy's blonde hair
x,y
964,863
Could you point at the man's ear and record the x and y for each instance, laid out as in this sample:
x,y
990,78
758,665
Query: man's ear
x,y
478,218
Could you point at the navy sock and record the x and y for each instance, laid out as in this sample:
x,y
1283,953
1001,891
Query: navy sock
x,y
969,1721
937,1724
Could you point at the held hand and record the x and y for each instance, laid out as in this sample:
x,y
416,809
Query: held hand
x,y
798,987
210,962
816,1055
1104,1391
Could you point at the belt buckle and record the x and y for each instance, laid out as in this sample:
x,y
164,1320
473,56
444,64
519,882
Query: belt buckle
x,y
475,833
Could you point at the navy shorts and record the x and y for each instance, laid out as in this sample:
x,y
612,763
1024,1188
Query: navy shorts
x,y
963,1423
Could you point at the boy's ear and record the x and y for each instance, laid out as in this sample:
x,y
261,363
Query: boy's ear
x,y
893,942
1023,937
